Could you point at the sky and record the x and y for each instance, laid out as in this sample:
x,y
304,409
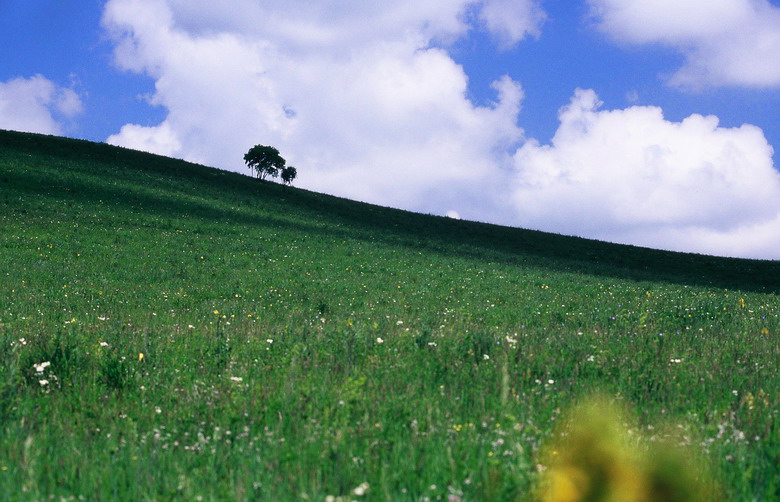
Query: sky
x,y
645,122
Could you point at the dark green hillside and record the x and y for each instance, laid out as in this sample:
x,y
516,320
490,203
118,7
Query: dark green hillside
x,y
176,332
82,172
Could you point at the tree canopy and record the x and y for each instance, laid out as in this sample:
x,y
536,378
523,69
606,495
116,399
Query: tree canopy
x,y
288,174
265,161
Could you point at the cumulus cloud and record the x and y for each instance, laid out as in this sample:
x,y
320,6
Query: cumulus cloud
x,y
724,42
361,96
631,176
37,105
512,20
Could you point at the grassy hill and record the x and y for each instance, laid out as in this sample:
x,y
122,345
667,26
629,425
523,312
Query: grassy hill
x,y
211,335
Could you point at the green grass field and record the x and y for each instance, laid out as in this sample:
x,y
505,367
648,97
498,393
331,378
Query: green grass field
x,y
214,337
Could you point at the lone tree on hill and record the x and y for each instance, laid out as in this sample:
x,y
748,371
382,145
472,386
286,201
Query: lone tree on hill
x,y
265,160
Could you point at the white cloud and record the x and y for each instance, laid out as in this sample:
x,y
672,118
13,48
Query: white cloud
x,y
725,42
158,139
512,20
631,176
36,104
358,95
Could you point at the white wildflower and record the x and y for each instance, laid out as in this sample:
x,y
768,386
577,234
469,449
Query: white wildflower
x,y
361,489
42,366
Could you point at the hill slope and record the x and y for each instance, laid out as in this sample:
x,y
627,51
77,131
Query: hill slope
x,y
88,172
213,335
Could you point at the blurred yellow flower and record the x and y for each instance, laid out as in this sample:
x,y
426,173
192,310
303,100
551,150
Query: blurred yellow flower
x,y
594,459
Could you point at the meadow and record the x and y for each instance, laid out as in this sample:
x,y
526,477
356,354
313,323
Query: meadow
x,y
171,331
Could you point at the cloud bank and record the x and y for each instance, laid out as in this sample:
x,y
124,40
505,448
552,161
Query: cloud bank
x,y
724,42
631,176
37,105
360,95
366,101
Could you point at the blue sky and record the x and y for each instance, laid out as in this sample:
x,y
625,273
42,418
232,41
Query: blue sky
x,y
583,117
569,55
63,41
